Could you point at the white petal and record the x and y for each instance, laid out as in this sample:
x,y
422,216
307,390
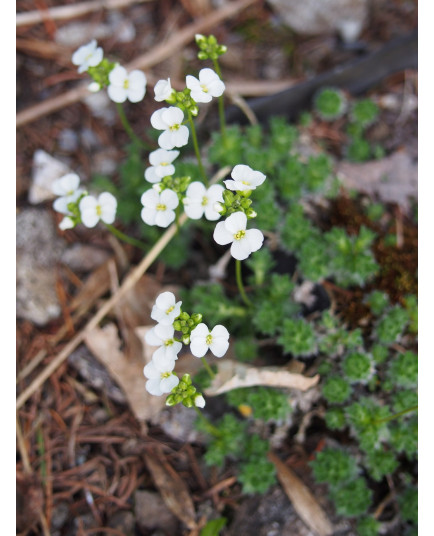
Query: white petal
x,y
61,205
240,249
220,331
165,171
219,346
157,121
152,338
148,215
118,75
66,223
136,94
150,371
151,175
167,384
169,198
165,300
200,331
180,136
165,140
150,198
164,332
255,239
199,401
207,76
221,235
116,93
216,88
173,116
192,83
137,79
198,347
211,214
200,96
196,190
236,222
164,218
153,387
194,210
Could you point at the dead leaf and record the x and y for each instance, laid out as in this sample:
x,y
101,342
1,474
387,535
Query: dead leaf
x,y
105,344
172,488
232,375
393,179
302,499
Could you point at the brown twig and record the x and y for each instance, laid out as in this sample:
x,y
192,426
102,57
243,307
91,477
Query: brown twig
x,y
71,11
153,57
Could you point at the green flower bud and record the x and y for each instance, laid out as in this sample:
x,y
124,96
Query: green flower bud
x,y
186,339
197,318
177,325
184,316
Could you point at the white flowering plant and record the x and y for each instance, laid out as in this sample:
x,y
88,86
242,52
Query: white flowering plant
x,y
252,214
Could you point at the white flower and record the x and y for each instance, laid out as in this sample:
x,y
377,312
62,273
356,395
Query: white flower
x,y
199,401
160,377
233,229
162,90
158,209
245,178
94,87
92,210
199,201
161,165
162,336
201,338
123,85
87,56
166,309
170,120
209,85
67,188
66,223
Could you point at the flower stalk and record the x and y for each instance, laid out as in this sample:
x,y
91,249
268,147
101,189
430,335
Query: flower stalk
x,y
240,283
196,147
125,238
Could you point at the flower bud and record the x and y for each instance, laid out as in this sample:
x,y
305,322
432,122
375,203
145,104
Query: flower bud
x,y
199,401
186,339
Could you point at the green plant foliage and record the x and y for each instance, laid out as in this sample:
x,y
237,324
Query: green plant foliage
x,y
352,498
375,211
377,301
297,337
410,304
380,353
391,325
318,169
267,404
261,264
335,419
364,112
257,473
214,527
403,436
358,367
403,369
403,400
366,417
368,526
228,152
381,463
359,150
336,389
230,441
334,466
330,104
408,503
245,349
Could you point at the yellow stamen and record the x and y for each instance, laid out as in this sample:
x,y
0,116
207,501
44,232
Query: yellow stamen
x,y
208,339
160,206
241,234
204,201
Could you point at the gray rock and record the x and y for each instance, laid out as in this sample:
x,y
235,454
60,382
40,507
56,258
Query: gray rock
x,y
46,169
38,251
313,17
152,513
84,258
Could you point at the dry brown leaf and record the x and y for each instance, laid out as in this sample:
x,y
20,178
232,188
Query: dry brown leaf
x,y
232,375
105,344
95,286
393,178
172,488
302,499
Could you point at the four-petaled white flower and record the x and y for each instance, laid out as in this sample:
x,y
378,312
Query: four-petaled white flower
x,y
92,210
162,90
86,56
162,336
245,178
170,120
160,377
199,201
158,209
209,85
201,338
124,85
233,230
67,188
161,165
166,309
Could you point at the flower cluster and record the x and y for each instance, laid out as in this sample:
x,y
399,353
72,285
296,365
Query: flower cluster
x,y
78,206
159,371
121,85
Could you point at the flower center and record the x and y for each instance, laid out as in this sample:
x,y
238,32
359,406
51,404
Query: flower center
x,y
170,309
98,210
174,127
247,183
164,164
208,339
204,88
126,83
165,375
239,235
204,201
160,206
169,342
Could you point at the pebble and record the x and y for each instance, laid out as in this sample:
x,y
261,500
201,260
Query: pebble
x,y
46,169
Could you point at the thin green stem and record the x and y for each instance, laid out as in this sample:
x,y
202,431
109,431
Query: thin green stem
x,y
128,128
210,428
240,283
396,415
221,104
208,368
196,147
126,238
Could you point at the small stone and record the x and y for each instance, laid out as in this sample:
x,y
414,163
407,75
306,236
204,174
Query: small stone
x,y
68,140
123,521
152,513
46,169
84,258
